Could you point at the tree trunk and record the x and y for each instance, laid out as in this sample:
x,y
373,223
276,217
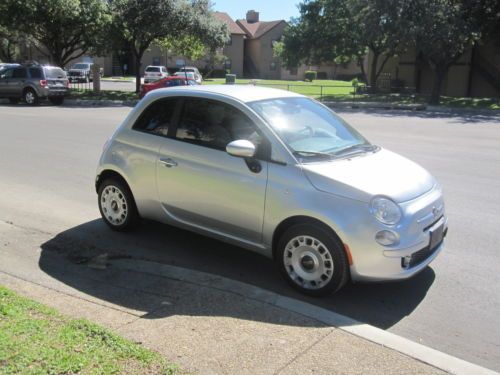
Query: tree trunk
x,y
439,75
138,62
374,75
362,67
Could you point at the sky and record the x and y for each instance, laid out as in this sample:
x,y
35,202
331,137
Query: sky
x,y
269,10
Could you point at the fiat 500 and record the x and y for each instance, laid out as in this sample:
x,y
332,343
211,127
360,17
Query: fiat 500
x,y
277,173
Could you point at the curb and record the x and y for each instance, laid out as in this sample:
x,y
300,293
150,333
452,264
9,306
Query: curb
x,y
99,103
376,335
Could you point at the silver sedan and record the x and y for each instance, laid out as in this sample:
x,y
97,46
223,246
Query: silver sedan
x,y
276,173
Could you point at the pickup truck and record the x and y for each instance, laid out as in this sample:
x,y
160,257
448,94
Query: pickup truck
x,y
82,72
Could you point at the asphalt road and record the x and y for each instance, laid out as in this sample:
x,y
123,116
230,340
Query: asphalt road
x,y
48,157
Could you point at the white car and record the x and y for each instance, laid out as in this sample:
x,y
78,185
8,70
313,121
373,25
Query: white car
x,y
191,69
153,73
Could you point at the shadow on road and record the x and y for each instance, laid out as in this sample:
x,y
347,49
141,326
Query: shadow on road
x,y
460,116
65,255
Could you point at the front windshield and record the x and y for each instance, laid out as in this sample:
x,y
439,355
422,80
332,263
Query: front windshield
x,y
309,129
81,66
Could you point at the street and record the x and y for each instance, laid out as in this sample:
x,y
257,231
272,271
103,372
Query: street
x,y
48,157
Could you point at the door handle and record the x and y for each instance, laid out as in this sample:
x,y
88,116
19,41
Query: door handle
x,y
169,163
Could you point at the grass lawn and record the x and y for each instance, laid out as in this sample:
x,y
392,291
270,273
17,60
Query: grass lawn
x,y
314,89
35,339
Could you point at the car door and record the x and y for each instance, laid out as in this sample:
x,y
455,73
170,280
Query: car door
x,y
5,78
16,84
201,185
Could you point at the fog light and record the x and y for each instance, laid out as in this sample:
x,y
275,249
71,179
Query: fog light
x,y
387,238
405,262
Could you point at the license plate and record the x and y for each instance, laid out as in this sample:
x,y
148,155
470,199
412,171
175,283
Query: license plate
x,y
436,235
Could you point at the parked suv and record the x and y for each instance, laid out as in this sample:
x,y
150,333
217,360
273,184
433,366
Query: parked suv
x,y
82,72
154,73
32,83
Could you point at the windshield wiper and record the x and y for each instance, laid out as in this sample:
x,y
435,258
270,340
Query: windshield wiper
x,y
356,148
312,153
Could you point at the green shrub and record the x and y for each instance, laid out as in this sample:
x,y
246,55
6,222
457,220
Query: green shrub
x,y
310,75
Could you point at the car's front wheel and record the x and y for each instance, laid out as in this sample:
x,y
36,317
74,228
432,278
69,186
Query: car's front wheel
x,y
312,259
117,205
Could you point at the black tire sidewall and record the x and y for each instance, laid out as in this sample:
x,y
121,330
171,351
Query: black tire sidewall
x,y
334,246
132,215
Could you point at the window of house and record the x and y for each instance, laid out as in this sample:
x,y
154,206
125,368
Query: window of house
x,y
272,66
157,118
156,61
227,63
214,124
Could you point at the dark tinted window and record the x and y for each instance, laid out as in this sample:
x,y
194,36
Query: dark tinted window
x,y
174,82
35,72
214,124
153,69
7,73
157,118
54,73
19,73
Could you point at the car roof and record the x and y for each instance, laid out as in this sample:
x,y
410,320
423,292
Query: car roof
x,y
243,93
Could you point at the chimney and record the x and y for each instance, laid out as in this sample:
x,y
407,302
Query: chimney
x,y
252,16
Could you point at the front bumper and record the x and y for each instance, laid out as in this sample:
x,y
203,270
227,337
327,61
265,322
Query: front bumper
x,y
374,262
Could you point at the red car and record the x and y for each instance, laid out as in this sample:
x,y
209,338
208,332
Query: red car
x,y
166,82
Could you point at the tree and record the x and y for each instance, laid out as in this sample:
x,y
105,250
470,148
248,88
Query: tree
x,y
444,29
344,30
60,29
139,23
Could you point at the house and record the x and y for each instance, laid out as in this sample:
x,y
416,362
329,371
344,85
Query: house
x,y
475,74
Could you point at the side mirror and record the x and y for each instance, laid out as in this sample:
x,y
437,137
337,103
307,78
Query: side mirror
x,y
241,148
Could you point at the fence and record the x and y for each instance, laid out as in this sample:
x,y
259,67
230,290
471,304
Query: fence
x,y
351,93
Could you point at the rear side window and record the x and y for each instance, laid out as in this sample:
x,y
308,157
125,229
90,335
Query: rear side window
x,y
152,69
157,118
35,72
19,73
214,124
54,73
174,82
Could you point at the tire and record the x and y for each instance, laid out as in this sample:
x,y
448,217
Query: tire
x,y
57,100
31,97
14,100
312,260
117,205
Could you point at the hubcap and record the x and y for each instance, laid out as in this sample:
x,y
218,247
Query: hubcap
x,y
29,97
308,262
113,205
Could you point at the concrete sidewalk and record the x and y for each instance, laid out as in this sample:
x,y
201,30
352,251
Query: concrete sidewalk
x,y
204,323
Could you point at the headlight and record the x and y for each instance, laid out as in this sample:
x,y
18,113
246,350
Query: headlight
x,y
385,211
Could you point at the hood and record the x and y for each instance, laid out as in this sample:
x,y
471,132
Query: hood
x,y
364,176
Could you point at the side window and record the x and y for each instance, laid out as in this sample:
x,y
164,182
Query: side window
x,y
214,124
157,118
35,73
19,73
7,73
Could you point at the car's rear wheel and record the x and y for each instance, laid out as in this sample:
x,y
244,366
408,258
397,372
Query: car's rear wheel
x,y
57,101
14,100
30,97
117,205
312,260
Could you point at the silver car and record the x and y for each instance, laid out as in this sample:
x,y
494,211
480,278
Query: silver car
x,y
277,173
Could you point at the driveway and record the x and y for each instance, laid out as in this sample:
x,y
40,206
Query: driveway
x,y
48,160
